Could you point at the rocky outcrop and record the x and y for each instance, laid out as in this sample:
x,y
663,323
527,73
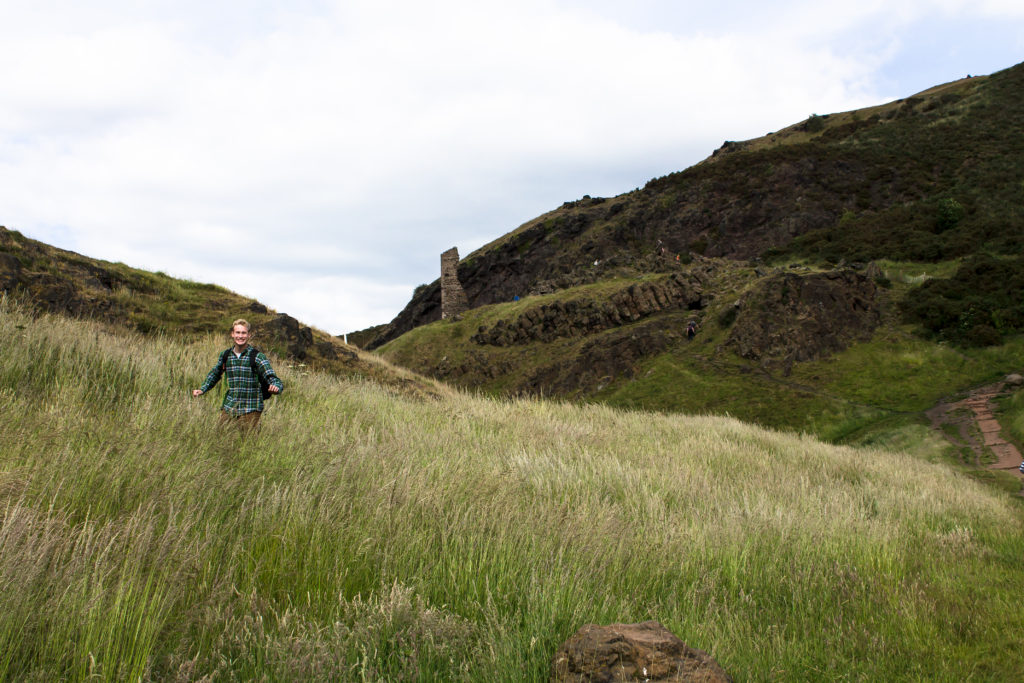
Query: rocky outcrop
x,y
64,294
613,354
10,272
582,317
605,358
632,652
792,318
453,297
301,342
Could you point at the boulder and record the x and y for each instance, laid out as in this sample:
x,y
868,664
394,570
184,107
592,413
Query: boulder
x,y
298,337
1014,380
632,652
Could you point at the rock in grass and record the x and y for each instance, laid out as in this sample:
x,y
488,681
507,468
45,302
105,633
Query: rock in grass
x,y
632,652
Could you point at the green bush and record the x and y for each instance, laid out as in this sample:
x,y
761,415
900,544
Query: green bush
x,y
975,307
950,212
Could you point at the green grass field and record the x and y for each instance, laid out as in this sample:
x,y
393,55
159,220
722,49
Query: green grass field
x,y
367,535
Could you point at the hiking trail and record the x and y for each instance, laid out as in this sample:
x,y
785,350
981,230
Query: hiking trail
x,y
970,425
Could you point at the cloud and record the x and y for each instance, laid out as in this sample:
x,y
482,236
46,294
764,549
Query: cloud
x,y
346,144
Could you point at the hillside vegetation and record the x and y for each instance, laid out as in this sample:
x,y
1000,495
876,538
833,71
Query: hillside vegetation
x,y
59,281
849,270
367,534
757,356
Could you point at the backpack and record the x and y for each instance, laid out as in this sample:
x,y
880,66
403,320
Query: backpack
x,y
264,384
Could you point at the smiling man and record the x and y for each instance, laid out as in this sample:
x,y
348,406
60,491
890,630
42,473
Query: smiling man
x,y
248,371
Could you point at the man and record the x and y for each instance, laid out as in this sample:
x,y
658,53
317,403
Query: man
x,y
243,402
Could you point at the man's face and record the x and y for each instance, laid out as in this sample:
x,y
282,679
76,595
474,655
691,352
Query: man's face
x,y
240,335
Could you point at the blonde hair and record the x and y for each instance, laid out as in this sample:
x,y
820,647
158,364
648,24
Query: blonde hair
x,y
244,323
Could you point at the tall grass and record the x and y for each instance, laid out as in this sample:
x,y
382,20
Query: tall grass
x,y
363,535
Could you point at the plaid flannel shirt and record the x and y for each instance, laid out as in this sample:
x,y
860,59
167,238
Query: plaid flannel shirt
x,y
243,394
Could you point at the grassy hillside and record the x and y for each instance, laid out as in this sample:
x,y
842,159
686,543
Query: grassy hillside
x,y
364,534
918,205
884,381
64,282
932,177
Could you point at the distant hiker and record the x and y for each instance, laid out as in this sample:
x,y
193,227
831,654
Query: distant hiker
x,y
691,329
1022,468
249,376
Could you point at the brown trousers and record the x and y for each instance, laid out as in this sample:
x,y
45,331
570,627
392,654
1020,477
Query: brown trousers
x,y
247,422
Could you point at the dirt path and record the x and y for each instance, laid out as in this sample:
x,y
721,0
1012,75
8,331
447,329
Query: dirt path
x,y
970,425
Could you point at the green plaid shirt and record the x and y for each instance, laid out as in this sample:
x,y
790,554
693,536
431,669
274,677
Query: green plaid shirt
x,y
243,394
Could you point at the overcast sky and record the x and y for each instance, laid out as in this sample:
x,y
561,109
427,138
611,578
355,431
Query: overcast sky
x,y
320,155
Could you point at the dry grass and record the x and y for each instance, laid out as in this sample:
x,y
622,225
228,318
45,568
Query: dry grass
x,y
364,535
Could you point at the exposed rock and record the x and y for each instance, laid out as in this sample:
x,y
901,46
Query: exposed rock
x,y
791,318
56,294
873,271
361,338
731,146
10,271
632,652
327,350
298,337
603,359
1014,380
575,318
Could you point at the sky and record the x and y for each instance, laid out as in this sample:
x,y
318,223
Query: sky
x,y
319,155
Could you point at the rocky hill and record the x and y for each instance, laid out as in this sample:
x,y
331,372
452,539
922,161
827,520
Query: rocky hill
x,y
929,178
792,252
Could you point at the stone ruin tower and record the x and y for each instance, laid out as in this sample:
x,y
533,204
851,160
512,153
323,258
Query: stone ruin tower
x,y
453,297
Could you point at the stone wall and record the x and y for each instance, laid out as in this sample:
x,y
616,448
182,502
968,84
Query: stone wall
x,y
453,297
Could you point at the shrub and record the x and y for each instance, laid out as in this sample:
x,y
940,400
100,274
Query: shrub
x,y
975,307
949,214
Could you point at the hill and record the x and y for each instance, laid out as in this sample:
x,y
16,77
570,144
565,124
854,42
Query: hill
x,y
63,282
369,535
816,260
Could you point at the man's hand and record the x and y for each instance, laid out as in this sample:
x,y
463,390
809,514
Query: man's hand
x,y
197,392
274,389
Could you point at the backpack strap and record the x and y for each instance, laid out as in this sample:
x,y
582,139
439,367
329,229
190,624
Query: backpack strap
x,y
264,384
253,352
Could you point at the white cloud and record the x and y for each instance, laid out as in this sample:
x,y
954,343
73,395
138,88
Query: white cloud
x,y
356,140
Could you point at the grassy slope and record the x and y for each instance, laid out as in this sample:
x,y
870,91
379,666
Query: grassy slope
x,y
849,396
364,535
932,181
165,308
